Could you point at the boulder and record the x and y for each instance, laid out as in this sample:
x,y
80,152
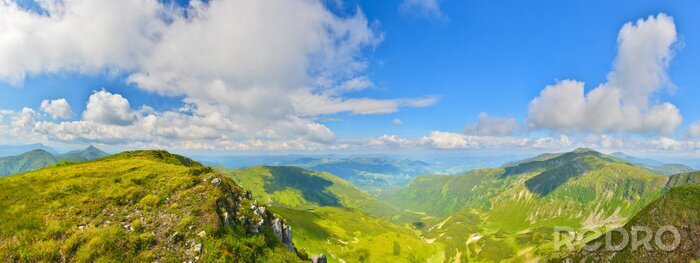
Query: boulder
x,y
319,259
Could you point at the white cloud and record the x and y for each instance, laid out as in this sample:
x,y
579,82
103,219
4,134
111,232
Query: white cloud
x,y
78,35
496,126
24,121
622,103
397,121
107,108
58,108
310,104
240,62
694,130
424,8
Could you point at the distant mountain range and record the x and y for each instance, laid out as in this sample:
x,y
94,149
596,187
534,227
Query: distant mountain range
x,y
654,165
12,150
39,158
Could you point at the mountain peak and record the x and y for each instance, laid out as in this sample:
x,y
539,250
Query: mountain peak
x,y
584,150
91,148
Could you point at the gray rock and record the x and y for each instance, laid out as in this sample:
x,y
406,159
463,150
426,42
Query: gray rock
x,y
319,259
216,181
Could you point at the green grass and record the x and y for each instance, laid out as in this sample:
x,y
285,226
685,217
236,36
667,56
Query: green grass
x,y
514,209
679,208
292,187
331,216
135,206
353,236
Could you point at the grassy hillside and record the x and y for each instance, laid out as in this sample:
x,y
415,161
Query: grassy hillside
x,y
139,206
441,195
29,161
515,208
297,188
353,236
331,216
680,208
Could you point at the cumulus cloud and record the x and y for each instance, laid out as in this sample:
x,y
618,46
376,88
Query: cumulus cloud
x,y
257,66
107,108
24,121
79,35
694,130
397,121
57,109
622,103
489,125
423,8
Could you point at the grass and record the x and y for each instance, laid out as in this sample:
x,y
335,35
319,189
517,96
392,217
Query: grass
x,y
134,206
331,216
514,209
353,236
297,188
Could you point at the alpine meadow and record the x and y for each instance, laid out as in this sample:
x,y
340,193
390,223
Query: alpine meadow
x,y
346,131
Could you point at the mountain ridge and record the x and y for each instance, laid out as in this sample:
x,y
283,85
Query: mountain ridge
x,y
136,206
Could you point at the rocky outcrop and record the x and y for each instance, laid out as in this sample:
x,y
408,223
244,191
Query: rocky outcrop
x,y
240,208
319,259
283,232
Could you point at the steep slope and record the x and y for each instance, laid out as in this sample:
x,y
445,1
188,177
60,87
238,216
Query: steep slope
x,y
297,188
89,153
515,208
28,161
679,208
441,195
681,179
141,206
331,216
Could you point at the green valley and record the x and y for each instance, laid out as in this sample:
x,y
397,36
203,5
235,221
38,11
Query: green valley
x,y
333,217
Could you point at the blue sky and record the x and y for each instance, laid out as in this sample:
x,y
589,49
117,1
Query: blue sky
x,y
433,65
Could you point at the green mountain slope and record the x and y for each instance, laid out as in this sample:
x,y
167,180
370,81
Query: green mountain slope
x,y
681,179
141,206
515,208
679,208
331,216
441,195
297,188
28,161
